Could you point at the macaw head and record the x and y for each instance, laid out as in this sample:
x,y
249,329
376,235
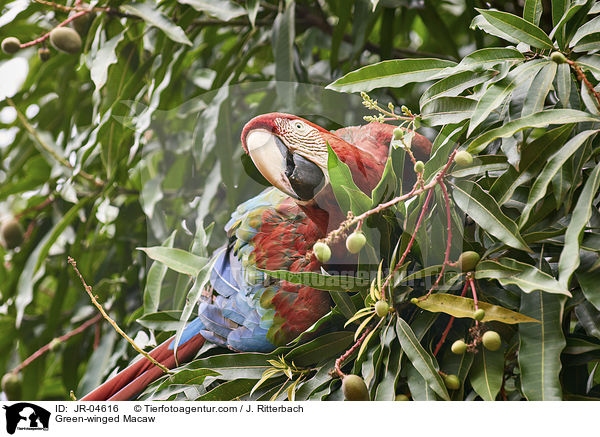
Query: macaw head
x,y
291,153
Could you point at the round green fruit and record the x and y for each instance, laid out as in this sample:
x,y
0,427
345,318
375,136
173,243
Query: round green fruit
x,y
322,251
44,54
463,158
11,386
65,39
419,167
402,398
414,300
355,242
459,347
558,57
82,22
12,234
491,340
11,45
468,260
354,388
398,133
479,314
382,308
452,382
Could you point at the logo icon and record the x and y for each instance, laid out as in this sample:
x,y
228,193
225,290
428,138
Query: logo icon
x,y
26,416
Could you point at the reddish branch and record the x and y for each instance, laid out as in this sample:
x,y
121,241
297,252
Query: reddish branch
x,y
41,351
410,243
581,76
47,35
340,361
39,207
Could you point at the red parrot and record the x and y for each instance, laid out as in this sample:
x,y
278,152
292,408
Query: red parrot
x,y
275,231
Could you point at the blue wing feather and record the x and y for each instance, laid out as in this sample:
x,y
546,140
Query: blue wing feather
x,y
235,317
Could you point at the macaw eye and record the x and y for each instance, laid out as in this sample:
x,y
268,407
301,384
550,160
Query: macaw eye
x,y
298,125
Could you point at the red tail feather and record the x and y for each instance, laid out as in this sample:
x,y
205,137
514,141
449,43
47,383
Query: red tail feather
x,y
135,378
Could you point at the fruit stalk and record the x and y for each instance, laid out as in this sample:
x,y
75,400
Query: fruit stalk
x,y
344,357
47,35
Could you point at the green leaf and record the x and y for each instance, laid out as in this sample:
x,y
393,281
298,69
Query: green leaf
x,y
320,349
480,22
386,188
486,373
104,58
484,210
541,119
533,158
154,280
556,161
420,358
151,15
224,10
569,257
590,63
499,91
481,165
528,278
419,389
187,377
592,26
536,97
484,59
518,28
57,230
540,346
588,281
283,34
454,85
176,259
532,11
343,303
244,365
461,307
394,73
161,320
447,110
587,43
229,391
340,176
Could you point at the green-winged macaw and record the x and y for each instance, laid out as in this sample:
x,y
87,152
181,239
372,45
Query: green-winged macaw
x,y
275,230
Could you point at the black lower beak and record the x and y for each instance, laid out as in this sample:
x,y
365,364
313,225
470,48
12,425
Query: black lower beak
x,y
306,178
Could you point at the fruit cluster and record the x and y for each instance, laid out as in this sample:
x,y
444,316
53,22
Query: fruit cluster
x,y
62,38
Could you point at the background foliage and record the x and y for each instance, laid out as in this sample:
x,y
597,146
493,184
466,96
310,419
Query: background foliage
x,y
134,142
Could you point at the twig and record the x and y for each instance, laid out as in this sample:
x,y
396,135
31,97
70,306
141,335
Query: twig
x,y
448,241
47,35
471,283
38,208
344,357
581,76
88,289
410,243
79,8
33,132
416,190
41,351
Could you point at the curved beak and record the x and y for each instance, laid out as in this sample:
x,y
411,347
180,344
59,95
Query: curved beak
x,y
290,172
